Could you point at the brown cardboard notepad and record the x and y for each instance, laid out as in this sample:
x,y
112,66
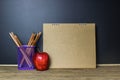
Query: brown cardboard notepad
x,y
70,45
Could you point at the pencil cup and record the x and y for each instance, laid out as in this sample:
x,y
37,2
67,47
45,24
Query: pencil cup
x,y
25,54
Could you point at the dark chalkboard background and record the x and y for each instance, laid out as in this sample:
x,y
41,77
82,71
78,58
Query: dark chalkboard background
x,y
26,16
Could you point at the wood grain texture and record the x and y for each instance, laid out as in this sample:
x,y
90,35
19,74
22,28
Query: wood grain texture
x,y
100,73
70,45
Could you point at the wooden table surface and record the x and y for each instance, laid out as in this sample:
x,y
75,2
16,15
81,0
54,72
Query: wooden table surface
x,y
100,73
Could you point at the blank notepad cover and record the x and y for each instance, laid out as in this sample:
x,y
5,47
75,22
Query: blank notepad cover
x,y
70,45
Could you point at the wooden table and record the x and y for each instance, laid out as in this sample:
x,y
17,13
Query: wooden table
x,y
101,73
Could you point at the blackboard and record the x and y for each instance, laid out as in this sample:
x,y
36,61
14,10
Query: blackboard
x,y
26,16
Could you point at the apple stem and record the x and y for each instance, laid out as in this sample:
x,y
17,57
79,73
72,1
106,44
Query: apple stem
x,y
38,50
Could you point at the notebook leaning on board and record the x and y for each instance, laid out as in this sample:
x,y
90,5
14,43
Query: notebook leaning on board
x,y
70,45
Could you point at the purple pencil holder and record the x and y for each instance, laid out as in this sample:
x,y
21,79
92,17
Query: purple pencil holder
x,y
25,55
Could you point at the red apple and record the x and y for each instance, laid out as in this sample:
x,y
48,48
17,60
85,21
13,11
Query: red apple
x,y
41,61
